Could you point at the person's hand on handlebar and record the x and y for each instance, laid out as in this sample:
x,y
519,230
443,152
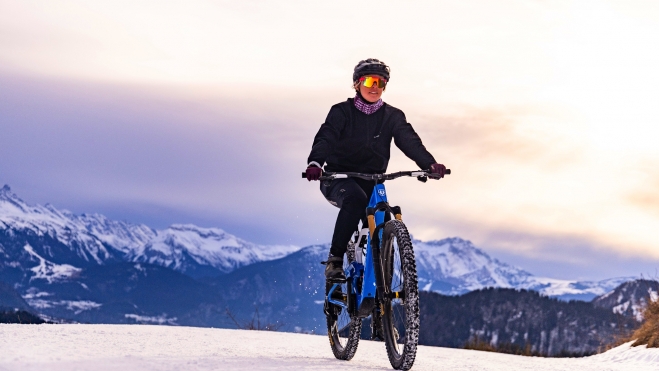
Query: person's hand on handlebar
x,y
437,171
314,172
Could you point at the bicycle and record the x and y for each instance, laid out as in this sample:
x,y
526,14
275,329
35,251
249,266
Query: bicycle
x,y
381,280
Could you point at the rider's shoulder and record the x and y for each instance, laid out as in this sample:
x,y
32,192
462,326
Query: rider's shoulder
x,y
391,108
346,104
342,107
394,112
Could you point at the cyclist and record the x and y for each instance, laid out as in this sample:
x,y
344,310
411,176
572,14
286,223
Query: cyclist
x,y
356,137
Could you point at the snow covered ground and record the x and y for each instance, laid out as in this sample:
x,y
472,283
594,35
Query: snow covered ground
x,y
141,347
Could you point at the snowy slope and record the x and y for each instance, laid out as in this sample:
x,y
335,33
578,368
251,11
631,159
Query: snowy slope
x,y
125,347
630,298
188,248
46,223
455,266
123,236
572,290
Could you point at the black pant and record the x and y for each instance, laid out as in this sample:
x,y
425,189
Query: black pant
x,y
351,195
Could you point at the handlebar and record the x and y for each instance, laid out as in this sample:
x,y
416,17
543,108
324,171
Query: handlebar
x,y
422,175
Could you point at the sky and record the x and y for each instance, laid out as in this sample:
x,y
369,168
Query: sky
x,y
204,112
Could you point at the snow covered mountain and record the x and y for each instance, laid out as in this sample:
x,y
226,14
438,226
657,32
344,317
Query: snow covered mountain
x,y
630,298
201,252
41,244
58,235
573,290
60,243
454,266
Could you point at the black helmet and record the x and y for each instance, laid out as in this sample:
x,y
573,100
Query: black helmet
x,y
370,66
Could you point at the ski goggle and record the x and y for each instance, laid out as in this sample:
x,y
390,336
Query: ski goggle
x,y
369,81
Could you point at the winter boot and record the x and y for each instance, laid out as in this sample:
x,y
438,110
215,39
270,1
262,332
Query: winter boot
x,y
334,269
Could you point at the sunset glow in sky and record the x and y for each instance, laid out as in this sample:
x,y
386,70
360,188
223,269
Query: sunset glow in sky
x,y
204,112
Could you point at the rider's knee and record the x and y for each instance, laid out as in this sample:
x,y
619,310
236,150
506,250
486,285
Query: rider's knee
x,y
355,201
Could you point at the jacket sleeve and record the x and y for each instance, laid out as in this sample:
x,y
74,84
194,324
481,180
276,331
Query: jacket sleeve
x,y
327,136
409,142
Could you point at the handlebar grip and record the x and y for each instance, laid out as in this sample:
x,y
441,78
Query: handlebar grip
x,y
304,175
448,172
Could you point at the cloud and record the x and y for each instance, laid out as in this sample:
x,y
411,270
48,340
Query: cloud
x,y
570,258
210,121
646,196
513,134
220,156
545,253
231,157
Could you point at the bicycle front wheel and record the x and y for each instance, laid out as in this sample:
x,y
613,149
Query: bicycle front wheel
x,y
400,301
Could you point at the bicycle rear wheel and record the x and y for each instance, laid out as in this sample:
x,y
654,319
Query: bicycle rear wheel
x,y
342,330
400,301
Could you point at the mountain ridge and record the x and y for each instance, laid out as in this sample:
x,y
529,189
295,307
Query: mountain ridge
x,y
43,242
61,237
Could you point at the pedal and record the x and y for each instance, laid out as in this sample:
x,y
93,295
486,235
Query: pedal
x,y
339,296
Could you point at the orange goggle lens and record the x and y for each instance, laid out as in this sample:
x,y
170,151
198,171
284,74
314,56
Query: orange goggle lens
x,y
369,81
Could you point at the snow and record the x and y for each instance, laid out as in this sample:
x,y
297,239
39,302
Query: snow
x,y
630,298
159,320
49,271
123,236
143,347
76,306
625,354
460,263
451,266
469,268
556,287
458,258
64,226
622,308
89,235
206,246
653,295
38,300
79,306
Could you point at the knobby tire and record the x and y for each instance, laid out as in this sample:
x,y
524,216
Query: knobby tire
x,y
400,316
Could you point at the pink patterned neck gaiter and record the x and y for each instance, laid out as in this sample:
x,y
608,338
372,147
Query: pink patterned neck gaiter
x,y
367,108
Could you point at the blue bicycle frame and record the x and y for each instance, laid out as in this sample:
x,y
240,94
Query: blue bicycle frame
x,y
355,270
370,286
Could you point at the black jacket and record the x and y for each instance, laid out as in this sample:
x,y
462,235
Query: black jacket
x,y
351,140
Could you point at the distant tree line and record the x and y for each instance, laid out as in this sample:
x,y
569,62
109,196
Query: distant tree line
x,y
519,322
19,316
